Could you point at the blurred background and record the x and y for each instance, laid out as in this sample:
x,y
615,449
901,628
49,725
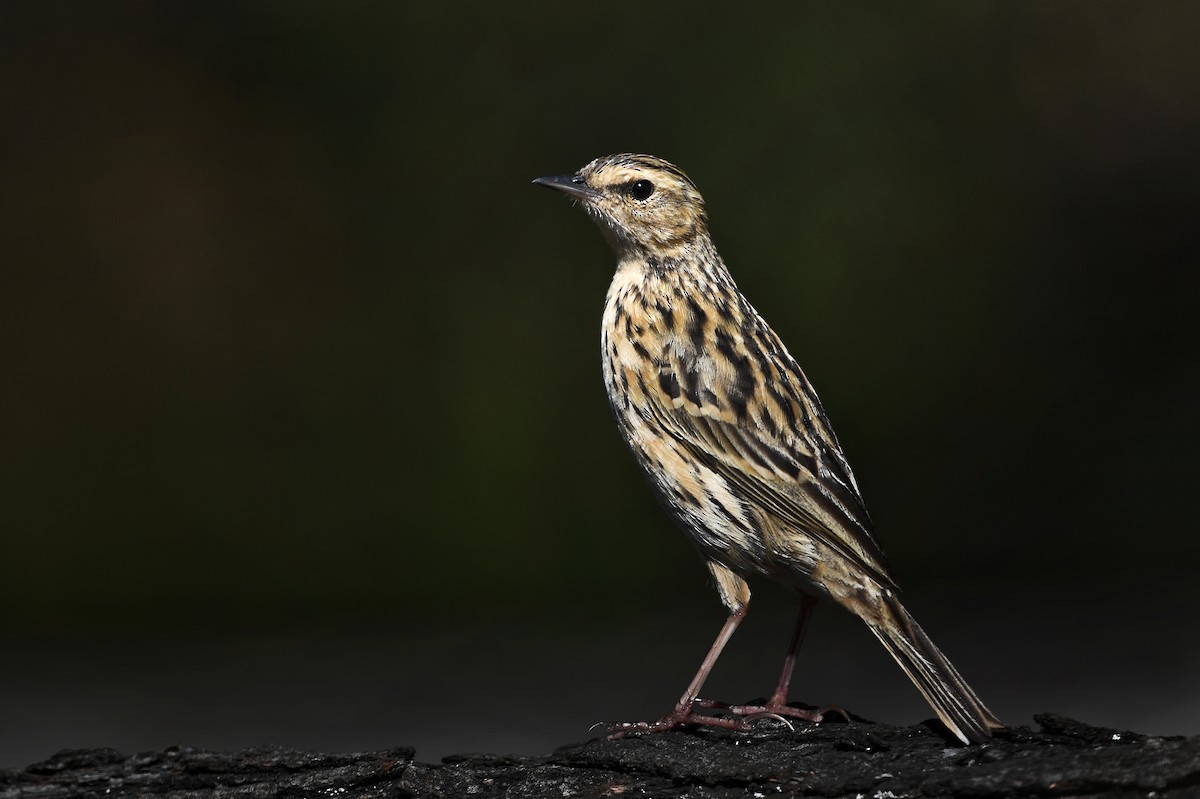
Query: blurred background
x,y
302,433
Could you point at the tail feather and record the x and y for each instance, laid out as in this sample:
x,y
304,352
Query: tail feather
x,y
942,686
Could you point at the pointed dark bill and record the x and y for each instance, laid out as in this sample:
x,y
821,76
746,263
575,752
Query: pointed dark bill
x,y
572,185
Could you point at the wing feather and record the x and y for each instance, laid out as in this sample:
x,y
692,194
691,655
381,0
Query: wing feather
x,y
792,472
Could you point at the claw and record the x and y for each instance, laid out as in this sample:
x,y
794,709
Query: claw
x,y
753,717
841,711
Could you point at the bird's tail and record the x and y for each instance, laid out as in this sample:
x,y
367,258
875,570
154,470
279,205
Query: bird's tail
x,y
942,686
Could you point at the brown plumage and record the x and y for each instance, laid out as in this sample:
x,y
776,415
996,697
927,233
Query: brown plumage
x,y
733,437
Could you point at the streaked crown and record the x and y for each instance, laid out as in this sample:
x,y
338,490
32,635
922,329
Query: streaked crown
x,y
643,203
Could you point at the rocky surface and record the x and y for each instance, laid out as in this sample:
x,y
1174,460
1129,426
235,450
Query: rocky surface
x,y
1060,757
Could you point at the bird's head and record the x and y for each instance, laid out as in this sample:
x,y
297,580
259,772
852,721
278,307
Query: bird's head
x,y
643,204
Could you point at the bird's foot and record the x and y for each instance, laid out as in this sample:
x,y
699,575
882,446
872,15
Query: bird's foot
x,y
667,723
676,719
741,718
776,708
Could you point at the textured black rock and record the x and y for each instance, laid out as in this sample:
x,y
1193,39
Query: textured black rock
x,y
1062,758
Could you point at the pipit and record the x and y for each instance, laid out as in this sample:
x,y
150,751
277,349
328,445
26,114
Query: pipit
x,y
735,442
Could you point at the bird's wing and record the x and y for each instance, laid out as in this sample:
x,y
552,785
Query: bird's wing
x,y
760,426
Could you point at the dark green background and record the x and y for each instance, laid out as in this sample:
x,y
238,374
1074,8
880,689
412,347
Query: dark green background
x,y
291,346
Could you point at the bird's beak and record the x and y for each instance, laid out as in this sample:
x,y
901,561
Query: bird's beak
x,y
571,185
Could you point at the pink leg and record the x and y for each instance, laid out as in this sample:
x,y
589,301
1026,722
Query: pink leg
x,y
777,705
683,712
780,697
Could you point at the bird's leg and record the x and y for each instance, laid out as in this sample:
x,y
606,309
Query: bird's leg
x,y
683,713
779,699
778,705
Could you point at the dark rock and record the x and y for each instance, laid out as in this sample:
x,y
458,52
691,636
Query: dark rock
x,y
1063,757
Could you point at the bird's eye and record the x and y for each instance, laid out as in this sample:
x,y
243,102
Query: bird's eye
x,y
641,190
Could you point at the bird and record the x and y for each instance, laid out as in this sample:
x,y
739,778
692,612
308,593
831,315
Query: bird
x,y
736,444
